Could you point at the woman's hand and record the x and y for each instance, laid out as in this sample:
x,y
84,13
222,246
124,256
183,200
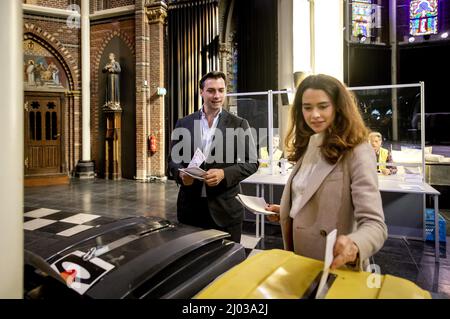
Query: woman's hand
x,y
275,209
345,251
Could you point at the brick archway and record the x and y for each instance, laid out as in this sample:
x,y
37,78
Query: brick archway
x,y
96,64
115,33
56,48
72,105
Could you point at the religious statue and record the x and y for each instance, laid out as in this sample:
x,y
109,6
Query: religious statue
x,y
39,70
53,69
112,86
30,72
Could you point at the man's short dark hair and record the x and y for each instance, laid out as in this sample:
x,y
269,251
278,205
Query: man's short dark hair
x,y
212,75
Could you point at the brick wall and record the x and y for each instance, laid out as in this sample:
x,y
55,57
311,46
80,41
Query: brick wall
x,y
146,41
142,45
109,4
58,4
58,28
94,5
156,35
120,3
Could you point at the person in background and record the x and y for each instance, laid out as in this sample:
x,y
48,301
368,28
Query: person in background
x,y
382,155
277,153
334,184
212,203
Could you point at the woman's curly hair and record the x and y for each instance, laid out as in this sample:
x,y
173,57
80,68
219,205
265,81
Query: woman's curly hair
x,y
347,130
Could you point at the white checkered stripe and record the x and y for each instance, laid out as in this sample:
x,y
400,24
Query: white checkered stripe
x,y
249,243
58,222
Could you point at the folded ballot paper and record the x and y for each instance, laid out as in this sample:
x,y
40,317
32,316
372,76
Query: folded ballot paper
x,y
254,204
193,168
323,286
195,172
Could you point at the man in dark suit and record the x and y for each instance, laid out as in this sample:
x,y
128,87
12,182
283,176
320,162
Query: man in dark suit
x,y
228,145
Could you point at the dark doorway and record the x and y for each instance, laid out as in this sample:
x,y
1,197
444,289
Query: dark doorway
x,y
43,133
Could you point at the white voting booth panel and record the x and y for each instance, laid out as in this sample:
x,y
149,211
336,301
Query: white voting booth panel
x,y
261,110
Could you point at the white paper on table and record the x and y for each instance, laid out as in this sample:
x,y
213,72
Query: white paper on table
x,y
331,240
411,187
254,204
197,159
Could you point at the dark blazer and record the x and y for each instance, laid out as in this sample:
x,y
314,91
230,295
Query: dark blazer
x,y
225,209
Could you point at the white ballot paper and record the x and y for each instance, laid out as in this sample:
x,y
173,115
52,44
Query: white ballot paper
x,y
195,172
254,204
331,239
193,168
197,159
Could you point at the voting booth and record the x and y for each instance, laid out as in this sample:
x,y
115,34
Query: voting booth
x,y
394,111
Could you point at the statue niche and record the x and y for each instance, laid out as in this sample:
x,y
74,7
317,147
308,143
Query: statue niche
x,y
112,111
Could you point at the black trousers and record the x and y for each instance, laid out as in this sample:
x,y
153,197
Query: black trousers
x,y
202,218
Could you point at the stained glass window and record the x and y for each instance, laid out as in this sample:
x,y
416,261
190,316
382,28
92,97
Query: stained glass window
x,y
423,15
361,18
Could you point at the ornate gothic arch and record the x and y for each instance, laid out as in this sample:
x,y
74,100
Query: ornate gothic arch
x,y
115,33
56,48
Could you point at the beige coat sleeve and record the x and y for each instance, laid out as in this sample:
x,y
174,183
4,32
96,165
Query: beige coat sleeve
x,y
371,232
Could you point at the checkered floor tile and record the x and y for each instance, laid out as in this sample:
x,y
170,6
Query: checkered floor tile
x,y
68,224
61,223
40,212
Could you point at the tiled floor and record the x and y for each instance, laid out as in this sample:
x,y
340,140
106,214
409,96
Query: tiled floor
x,y
413,260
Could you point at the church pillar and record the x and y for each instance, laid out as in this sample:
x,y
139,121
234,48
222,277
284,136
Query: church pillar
x,y
224,55
156,14
85,167
11,155
142,83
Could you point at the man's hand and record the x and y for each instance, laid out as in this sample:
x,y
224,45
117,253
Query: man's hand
x,y
186,179
385,171
345,251
275,209
214,176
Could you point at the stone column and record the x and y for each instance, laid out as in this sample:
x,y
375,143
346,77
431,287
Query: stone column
x,y
285,60
224,55
156,13
11,155
85,167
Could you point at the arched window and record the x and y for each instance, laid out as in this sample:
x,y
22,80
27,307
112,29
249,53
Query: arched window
x,y
423,17
361,19
34,118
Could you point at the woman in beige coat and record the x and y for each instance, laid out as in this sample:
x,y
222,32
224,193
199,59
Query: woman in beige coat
x,y
334,182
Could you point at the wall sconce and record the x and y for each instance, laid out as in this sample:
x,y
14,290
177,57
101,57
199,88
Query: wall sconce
x,y
161,91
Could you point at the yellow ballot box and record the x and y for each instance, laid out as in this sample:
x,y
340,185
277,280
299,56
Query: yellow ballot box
x,y
274,274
